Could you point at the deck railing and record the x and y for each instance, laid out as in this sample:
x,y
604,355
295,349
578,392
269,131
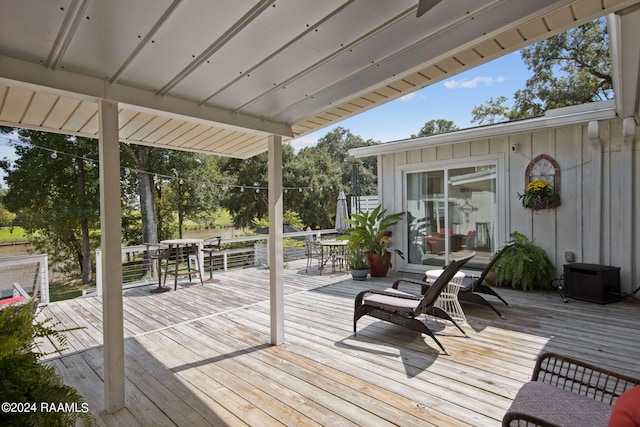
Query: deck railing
x,y
139,269
31,272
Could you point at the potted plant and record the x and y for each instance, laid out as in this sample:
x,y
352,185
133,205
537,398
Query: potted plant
x,y
370,233
357,264
525,265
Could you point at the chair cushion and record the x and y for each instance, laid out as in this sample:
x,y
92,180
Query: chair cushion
x,y
559,407
11,300
392,303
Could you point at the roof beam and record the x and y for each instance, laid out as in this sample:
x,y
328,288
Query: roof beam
x,y
19,73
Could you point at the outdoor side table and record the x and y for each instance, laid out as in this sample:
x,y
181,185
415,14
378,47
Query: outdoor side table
x,y
182,265
448,299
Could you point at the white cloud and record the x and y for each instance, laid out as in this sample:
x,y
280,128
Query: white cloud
x,y
473,83
303,142
408,96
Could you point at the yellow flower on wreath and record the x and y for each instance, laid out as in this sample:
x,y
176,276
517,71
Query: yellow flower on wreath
x,y
539,194
539,186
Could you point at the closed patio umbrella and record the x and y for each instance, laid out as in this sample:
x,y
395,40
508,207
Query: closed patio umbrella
x,y
342,213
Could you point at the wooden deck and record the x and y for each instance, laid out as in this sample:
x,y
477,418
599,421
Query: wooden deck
x,y
201,355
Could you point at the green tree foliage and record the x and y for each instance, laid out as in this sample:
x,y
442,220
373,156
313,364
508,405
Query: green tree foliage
x,y
320,178
433,127
6,217
337,143
23,379
491,112
53,189
571,68
312,178
246,196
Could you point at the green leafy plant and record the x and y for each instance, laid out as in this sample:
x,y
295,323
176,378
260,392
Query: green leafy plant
x,y
25,380
524,265
370,231
357,260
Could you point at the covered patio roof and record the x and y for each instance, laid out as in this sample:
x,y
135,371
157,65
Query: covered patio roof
x,y
220,77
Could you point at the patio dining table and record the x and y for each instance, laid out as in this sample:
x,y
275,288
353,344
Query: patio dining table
x,y
334,251
183,248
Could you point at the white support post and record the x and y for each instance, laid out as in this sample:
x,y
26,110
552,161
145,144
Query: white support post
x,y
98,272
596,192
629,261
114,396
276,256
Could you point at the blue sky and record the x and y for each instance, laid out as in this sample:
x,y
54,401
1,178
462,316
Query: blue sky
x,y
451,99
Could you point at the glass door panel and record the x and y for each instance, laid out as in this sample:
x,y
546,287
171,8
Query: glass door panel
x,y
426,214
451,212
472,201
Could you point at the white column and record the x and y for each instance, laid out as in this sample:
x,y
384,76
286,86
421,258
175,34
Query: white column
x,y
628,267
596,192
276,255
110,230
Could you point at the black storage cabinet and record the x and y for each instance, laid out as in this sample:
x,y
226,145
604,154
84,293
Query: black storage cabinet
x,y
592,282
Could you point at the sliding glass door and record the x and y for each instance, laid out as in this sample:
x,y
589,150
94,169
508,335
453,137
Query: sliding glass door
x,y
451,212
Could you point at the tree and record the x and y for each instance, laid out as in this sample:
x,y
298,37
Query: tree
x,y
491,112
320,178
6,217
246,196
144,160
433,127
54,191
336,144
571,68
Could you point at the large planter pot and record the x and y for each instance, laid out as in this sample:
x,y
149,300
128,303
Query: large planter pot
x,y
379,266
359,274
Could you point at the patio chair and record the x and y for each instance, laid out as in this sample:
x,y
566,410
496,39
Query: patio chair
x,y
403,308
473,286
564,391
209,247
312,250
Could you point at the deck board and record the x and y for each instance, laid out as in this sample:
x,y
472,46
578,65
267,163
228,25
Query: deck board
x,y
201,355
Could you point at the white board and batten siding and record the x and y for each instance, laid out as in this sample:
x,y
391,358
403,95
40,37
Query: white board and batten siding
x,y
585,182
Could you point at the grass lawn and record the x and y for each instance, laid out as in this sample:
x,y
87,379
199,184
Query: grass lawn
x,y
8,234
61,291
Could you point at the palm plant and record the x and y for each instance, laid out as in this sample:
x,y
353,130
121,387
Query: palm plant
x,y
370,231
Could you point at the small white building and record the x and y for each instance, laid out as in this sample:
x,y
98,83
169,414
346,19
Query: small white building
x,y
466,184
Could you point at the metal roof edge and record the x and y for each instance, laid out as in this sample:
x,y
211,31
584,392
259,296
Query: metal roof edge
x,y
553,118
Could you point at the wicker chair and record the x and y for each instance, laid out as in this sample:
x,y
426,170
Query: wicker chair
x,y
567,392
404,308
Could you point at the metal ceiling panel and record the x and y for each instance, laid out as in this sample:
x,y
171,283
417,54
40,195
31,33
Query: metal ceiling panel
x,y
84,112
220,76
237,61
61,112
190,29
39,108
14,104
32,29
107,33
328,41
